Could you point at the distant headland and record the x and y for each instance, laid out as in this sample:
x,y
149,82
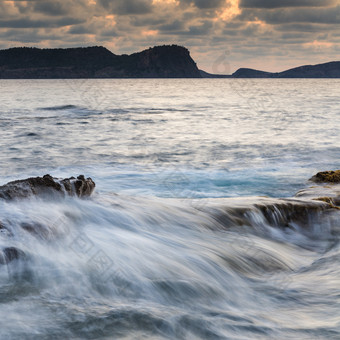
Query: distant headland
x,y
96,62
327,70
167,61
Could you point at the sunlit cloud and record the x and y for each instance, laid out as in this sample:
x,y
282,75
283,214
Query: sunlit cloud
x,y
149,33
231,11
167,2
110,20
318,44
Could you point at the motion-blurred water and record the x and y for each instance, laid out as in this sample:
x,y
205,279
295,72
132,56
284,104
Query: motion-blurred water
x,y
153,253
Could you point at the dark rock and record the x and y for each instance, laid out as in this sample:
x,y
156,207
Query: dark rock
x,y
47,185
4,229
327,177
10,254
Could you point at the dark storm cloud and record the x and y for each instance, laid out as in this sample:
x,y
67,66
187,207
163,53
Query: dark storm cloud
x,y
297,27
300,15
124,7
285,3
80,29
174,26
27,23
50,8
204,4
196,30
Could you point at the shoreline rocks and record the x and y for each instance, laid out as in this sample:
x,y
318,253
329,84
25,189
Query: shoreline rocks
x,y
327,177
47,185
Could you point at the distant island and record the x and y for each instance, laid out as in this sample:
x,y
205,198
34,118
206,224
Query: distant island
x,y
167,61
327,70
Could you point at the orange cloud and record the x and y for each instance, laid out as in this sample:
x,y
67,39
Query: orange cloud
x,y
110,20
258,22
318,44
168,2
231,11
150,33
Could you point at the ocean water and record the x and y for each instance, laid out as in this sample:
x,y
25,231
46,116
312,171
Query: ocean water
x,y
174,243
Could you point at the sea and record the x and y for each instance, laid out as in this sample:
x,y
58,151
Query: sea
x,y
173,243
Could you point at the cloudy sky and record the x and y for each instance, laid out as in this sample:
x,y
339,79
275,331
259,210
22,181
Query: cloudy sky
x,y
222,35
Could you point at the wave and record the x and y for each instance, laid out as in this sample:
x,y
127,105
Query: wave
x,y
123,266
59,108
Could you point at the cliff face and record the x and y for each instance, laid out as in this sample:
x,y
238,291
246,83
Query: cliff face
x,y
97,62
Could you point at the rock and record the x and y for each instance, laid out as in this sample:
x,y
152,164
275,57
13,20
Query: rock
x,y
37,229
327,177
84,187
10,254
4,230
47,185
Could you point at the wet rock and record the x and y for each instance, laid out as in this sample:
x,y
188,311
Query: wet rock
x,y
327,177
47,185
37,229
84,187
4,230
329,200
10,254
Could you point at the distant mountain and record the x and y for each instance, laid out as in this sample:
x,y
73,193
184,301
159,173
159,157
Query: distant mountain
x,y
212,75
327,70
96,62
250,73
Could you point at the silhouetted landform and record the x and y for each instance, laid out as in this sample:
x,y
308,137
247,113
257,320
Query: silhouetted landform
x,y
168,61
327,70
212,75
96,62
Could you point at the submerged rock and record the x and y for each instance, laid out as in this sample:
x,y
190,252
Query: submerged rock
x,y
46,185
10,254
327,177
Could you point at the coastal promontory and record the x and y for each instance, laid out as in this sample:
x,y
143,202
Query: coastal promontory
x,y
168,61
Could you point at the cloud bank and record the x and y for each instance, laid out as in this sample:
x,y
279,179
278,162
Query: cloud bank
x,y
221,34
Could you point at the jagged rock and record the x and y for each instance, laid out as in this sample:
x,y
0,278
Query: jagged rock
x,y
327,177
10,254
47,185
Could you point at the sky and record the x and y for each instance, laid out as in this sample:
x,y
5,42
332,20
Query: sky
x,y
222,35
